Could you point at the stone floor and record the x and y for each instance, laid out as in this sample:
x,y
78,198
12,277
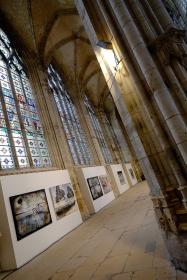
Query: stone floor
x,y
121,242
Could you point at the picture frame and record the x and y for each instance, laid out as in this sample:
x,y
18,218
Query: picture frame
x,y
95,187
106,186
30,212
121,177
64,201
131,173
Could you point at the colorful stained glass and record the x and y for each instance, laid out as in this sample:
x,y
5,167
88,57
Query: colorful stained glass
x,y
22,119
6,159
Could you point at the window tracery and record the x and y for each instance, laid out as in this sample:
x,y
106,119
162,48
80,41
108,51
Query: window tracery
x,y
22,142
74,133
177,11
114,137
98,131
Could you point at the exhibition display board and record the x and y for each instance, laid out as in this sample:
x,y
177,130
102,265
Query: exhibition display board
x,y
95,187
37,209
131,174
119,177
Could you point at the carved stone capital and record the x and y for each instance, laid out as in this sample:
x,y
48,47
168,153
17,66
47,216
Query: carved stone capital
x,y
170,45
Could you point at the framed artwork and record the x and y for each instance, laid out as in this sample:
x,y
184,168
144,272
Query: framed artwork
x,y
121,177
64,201
131,173
30,212
95,187
105,184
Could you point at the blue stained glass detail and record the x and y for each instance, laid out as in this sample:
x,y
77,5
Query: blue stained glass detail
x,y
23,103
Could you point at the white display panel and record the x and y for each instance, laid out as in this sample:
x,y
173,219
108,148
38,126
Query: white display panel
x,y
120,177
14,253
131,174
99,203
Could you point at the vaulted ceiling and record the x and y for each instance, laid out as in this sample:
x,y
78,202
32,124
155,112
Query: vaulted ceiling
x,y
52,29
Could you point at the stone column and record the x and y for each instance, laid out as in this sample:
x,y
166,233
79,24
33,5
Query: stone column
x,y
161,13
160,94
163,140
145,129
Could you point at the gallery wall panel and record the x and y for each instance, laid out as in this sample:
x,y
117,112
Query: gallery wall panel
x,y
92,181
120,177
64,215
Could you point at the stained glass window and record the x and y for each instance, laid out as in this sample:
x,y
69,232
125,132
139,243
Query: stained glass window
x,y
22,142
74,133
98,131
114,137
177,9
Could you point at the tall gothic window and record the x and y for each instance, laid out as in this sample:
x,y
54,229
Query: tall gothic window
x,y
75,136
22,142
177,9
98,131
114,137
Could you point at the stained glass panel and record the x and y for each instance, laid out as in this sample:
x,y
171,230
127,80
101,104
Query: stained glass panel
x,y
98,131
75,136
6,158
21,136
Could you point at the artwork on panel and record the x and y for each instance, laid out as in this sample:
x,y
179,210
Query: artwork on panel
x,y
131,173
121,177
95,187
64,201
105,184
30,212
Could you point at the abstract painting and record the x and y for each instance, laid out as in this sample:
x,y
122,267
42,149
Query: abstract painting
x,y
30,212
64,201
105,184
95,187
132,173
121,177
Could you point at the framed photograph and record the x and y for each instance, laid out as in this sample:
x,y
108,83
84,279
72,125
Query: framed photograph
x,y
64,201
30,212
121,177
95,187
105,184
131,173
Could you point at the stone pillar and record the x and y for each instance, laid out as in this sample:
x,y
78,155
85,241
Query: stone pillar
x,y
170,113
161,14
148,112
148,117
144,124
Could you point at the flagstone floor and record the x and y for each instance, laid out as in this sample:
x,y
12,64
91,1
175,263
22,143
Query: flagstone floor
x,y
121,242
